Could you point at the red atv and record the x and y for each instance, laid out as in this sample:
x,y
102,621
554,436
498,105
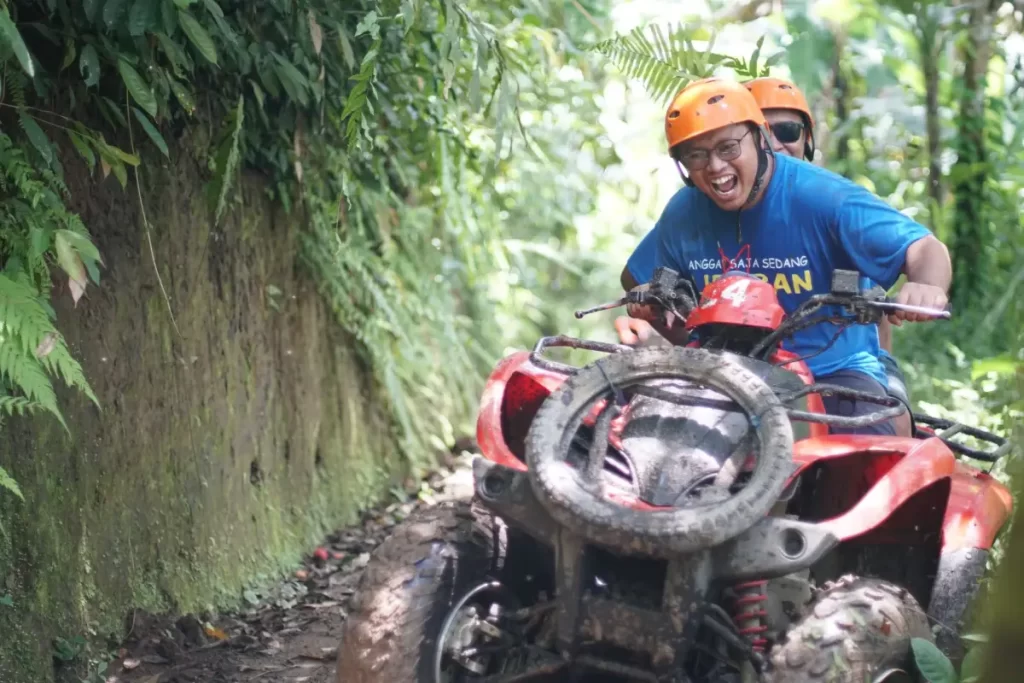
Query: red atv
x,y
682,514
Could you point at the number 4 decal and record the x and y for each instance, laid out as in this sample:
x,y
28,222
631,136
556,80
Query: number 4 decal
x,y
736,292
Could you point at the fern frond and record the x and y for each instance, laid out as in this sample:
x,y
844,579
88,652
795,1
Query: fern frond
x,y
23,371
663,60
358,99
16,405
7,481
16,87
226,161
26,324
24,318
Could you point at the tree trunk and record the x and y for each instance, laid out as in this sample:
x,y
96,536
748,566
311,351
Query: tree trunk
x,y
929,42
970,234
841,88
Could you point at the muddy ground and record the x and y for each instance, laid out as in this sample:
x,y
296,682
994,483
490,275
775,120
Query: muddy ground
x,y
290,631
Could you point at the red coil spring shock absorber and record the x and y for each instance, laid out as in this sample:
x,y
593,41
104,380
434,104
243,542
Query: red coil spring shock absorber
x,y
750,615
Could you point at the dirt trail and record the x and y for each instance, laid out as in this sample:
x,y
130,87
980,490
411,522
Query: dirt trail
x,y
291,630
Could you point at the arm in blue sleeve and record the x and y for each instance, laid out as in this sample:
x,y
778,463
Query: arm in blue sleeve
x,y
641,262
876,236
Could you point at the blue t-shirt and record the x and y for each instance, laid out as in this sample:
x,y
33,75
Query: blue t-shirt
x,y
809,222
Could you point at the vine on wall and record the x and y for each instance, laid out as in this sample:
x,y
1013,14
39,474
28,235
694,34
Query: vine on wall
x,y
366,114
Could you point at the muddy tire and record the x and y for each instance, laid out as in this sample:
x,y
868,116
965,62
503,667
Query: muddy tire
x,y
854,629
410,584
582,509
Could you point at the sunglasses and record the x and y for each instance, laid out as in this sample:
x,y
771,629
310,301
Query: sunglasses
x,y
787,132
726,150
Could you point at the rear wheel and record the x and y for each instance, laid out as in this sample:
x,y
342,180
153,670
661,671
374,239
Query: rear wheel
x,y
855,631
421,587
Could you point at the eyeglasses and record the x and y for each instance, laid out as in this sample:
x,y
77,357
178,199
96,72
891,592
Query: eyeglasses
x,y
787,132
726,150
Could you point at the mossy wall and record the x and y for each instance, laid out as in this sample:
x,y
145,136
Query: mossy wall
x,y
217,454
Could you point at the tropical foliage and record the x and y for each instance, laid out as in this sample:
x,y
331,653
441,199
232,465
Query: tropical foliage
x,y
416,219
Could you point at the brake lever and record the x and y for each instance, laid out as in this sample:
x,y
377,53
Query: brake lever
x,y
643,297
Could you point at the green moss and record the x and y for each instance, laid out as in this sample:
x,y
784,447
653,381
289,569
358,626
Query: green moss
x,y
152,504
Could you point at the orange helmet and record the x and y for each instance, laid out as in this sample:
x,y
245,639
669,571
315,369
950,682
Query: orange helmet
x,y
707,105
778,93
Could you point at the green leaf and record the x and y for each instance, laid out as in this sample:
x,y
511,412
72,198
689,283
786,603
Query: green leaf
x,y
409,14
6,600
774,59
142,17
83,149
81,243
932,664
124,156
368,24
292,80
183,96
112,11
10,35
39,242
151,131
257,91
1001,365
226,161
183,4
179,60
36,136
121,173
7,482
90,7
753,57
114,109
198,36
68,259
89,66
346,48
169,17
138,88
213,8
69,54
973,665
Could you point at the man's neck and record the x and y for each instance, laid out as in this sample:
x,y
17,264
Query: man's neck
x,y
768,174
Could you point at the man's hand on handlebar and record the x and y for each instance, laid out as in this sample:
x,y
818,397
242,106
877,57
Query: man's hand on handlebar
x,y
642,311
918,294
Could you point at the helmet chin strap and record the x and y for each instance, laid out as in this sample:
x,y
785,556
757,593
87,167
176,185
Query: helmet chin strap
x,y
764,152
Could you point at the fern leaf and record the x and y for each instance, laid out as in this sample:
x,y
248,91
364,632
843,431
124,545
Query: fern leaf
x,y
24,372
7,481
357,99
663,60
17,405
227,159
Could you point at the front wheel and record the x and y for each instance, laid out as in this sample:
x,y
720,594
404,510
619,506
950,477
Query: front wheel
x,y
417,585
855,630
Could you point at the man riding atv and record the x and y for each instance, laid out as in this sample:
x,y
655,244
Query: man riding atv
x,y
794,223
791,125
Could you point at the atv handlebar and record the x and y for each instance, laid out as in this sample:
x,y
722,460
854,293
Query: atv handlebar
x,y
675,294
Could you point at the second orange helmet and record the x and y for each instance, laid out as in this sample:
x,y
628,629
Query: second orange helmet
x,y
778,93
